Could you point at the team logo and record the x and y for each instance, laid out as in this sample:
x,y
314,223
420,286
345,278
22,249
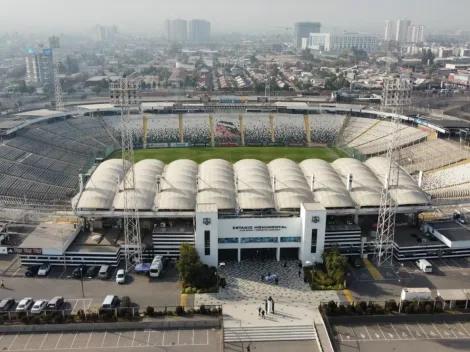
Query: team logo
x,y
206,221
315,219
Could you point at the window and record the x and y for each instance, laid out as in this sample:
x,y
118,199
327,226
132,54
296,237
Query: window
x,y
259,239
290,239
207,242
228,240
313,248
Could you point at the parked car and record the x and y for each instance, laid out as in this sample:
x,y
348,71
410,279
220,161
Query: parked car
x,y
55,303
110,301
7,304
32,271
39,306
355,261
24,304
44,269
92,272
121,276
104,272
79,272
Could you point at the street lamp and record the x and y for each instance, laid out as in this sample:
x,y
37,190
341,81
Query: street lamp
x,y
81,280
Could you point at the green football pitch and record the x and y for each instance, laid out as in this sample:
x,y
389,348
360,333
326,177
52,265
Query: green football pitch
x,y
234,154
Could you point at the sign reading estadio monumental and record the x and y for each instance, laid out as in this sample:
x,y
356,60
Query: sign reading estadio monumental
x,y
260,226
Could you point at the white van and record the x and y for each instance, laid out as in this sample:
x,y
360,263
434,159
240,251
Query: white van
x,y
424,265
104,272
110,301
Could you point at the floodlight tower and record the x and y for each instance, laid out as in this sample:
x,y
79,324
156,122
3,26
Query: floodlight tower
x,y
396,94
125,93
54,43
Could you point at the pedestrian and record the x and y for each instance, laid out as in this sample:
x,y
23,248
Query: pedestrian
x,y
272,306
262,277
285,264
270,298
300,272
300,264
248,349
2,285
276,280
266,305
259,311
262,315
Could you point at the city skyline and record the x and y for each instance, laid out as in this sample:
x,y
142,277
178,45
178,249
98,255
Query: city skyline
x,y
139,15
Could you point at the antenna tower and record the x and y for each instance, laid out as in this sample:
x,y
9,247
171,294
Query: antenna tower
x,y
125,94
267,87
54,43
396,94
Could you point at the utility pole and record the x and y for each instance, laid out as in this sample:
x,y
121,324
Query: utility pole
x,y
125,94
396,94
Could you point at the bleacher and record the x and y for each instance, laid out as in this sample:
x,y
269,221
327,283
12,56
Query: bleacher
x,y
356,127
289,128
431,155
196,129
451,176
256,128
325,128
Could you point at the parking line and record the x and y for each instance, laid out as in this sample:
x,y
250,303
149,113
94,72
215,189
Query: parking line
x,y
148,338
63,272
178,340
460,266
437,330
367,332
423,330
450,329
395,331
163,341
89,338
9,348
119,338
373,270
192,343
463,327
348,296
58,341
74,339
104,338
42,343
207,343
24,348
16,272
1,337
133,339
76,302
410,332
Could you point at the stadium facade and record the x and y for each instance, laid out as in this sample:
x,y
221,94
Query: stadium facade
x,y
229,212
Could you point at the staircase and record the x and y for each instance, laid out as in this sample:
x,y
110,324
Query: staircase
x,y
168,244
270,333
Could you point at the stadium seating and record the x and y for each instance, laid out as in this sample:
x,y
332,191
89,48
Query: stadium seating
x,y
227,128
325,128
452,176
356,127
289,128
256,128
196,129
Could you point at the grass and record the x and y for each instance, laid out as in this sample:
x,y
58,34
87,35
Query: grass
x,y
234,154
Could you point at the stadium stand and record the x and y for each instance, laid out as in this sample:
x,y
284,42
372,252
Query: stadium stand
x,y
431,155
289,128
325,128
452,176
256,128
460,191
227,128
357,126
196,129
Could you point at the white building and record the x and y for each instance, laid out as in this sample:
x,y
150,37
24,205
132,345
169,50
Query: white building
x,y
179,30
388,35
199,31
167,29
303,30
402,30
416,34
39,67
342,41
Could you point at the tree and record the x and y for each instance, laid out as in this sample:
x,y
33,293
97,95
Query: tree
x,y
427,56
307,55
188,263
96,90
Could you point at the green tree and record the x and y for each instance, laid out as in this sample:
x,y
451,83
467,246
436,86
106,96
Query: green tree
x,y
188,263
427,56
307,55
96,90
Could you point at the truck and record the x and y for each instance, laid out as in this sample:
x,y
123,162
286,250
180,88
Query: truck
x,y
158,266
424,265
418,293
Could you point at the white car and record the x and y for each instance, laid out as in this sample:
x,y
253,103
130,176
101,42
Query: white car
x,y
121,276
39,306
24,304
44,269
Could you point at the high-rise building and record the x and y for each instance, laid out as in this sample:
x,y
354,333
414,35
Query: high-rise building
x,y
179,30
340,42
303,30
101,33
388,35
39,67
167,29
402,30
416,34
199,31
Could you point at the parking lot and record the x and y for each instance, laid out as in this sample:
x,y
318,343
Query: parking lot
x,y
409,270
196,340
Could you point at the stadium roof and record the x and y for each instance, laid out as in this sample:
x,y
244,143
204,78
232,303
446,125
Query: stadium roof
x,y
247,185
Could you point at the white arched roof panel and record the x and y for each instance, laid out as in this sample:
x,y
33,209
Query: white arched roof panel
x,y
102,186
178,187
328,188
291,188
408,191
366,188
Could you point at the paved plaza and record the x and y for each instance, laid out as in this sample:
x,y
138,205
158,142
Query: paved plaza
x,y
244,285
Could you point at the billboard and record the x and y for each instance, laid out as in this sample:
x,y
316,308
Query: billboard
x,y
227,144
47,52
179,145
31,51
260,227
157,145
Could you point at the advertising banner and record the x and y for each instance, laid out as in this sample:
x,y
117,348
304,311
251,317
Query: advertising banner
x,y
179,145
254,144
27,250
275,144
227,144
157,145
295,144
260,227
31,51
201,145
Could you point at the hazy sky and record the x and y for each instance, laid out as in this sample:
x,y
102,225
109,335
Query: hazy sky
x,y
139,15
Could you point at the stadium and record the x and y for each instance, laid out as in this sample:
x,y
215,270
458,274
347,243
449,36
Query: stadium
x,y
236,180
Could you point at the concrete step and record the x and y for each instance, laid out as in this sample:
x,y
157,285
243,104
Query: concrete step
x,y
269,333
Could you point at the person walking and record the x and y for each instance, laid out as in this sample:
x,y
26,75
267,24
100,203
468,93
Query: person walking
x,y
262,277
259,311
266,305
262,315
285,264
300,272
2,285
272,306
248,349
276,280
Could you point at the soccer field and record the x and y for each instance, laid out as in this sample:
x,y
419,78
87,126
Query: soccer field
x,y
234,154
